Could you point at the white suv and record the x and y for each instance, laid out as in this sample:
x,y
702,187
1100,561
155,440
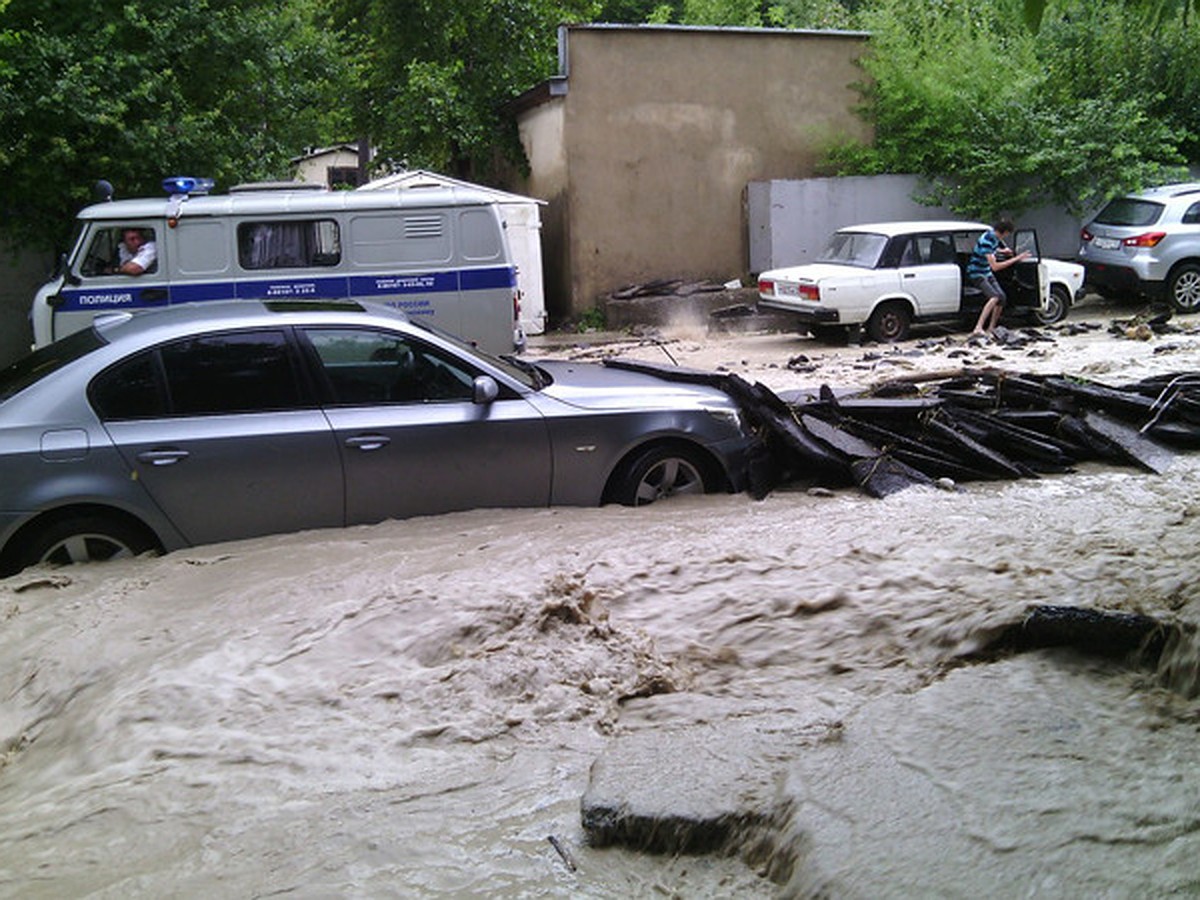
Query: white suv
x,y
1147,243
891,275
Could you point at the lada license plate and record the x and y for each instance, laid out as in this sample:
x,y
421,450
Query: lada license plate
x,y
787,289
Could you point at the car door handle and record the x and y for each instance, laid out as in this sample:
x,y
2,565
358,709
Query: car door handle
x,y
153,295
368,441
162,457
910,274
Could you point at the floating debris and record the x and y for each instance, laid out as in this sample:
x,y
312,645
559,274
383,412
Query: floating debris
x,y
967,425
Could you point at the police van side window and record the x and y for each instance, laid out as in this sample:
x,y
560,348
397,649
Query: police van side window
x,y
289,244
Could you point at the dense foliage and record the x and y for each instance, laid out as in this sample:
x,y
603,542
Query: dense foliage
x,y
1000,105
130,92
434,75
1101,98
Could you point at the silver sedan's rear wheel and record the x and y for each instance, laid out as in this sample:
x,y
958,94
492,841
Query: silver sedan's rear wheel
x,y
87,538
658,473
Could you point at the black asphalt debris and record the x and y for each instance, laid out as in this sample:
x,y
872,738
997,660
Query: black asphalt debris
x,y
984,424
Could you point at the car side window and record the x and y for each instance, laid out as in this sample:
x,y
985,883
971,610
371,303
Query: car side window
x,y
363,366
132,389
239,372
1191,215
938,249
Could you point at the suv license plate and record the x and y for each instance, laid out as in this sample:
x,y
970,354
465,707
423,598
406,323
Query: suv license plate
x,y
1105,243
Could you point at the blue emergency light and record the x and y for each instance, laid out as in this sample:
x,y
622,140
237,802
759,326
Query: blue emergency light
x,y
186,184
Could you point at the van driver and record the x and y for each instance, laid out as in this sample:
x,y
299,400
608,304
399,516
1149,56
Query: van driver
x,y
135,254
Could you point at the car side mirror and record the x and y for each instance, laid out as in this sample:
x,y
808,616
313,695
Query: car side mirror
x,y
486,389
61,268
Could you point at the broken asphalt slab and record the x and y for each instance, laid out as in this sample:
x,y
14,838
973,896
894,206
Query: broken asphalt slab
x,y
928,793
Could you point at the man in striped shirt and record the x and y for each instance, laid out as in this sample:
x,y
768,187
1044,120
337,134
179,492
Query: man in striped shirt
x,y
989,257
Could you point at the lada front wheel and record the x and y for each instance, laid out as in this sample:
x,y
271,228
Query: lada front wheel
x,y
1056,307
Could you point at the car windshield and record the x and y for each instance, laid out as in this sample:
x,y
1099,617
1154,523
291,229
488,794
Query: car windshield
x,y
41,362
525,372
854,248
1129,211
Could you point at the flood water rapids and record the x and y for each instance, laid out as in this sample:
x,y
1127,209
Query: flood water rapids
x,y
416,708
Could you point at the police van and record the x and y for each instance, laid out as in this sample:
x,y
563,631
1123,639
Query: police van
x,y
438,253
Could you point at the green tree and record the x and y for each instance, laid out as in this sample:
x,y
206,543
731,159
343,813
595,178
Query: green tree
x,y
996,118
434,75
821,14
740,13
131,91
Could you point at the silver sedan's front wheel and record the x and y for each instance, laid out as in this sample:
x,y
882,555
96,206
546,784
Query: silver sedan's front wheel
x,y
658,473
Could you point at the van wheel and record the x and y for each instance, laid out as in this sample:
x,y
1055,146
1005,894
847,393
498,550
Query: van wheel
x,y
87,537
1056,307
889,323
1184,288
658,473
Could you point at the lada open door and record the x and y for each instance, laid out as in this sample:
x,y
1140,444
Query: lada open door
x,y
1023,283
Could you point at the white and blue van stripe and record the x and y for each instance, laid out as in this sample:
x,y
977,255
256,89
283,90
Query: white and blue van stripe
x,y
336,287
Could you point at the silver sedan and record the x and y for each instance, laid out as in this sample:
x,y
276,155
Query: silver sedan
x,y
238,419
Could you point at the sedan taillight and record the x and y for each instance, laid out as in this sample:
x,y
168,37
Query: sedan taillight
x,y
766,287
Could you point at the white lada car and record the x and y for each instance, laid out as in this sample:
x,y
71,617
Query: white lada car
x,y
885,277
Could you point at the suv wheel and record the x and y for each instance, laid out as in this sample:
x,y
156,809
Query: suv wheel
x,y
1184,288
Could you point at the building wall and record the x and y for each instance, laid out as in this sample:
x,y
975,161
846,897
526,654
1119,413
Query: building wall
x,y
545,151
316,168
21,274
661,129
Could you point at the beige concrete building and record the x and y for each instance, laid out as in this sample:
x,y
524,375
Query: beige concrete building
x,y
644,143
336,166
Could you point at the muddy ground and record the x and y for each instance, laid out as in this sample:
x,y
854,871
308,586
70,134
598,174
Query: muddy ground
x,y
783,697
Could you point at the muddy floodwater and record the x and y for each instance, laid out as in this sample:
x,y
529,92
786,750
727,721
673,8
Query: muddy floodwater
x,y
423,708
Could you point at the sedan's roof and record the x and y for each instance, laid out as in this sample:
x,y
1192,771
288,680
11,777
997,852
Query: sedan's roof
x,y
891,229
191,318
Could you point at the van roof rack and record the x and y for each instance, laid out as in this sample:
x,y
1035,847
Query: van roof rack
x,y
277,186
